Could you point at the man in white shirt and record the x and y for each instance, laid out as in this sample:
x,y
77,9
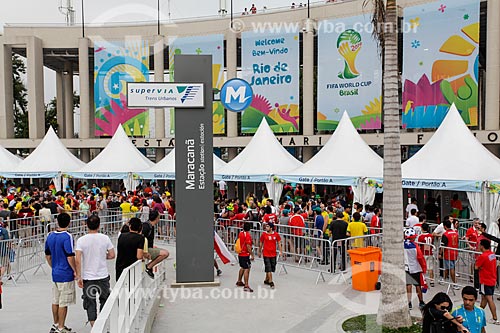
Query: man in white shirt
x,y
410,206
92,251
412,220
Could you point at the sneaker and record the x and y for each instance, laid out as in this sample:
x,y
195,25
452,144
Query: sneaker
x,y
431,284
219,272
441,281
53,329
456,287
248,289
266,282
150,272
410,306
271,284
63,330
421,305
240,284
494,321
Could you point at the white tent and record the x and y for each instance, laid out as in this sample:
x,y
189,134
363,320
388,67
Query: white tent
x,y
330,166
165,169
262,158
454,159
48,160
8,161
118,160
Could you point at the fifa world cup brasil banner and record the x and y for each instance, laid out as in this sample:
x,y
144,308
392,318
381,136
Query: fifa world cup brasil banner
x,y
440,64
115,64
349,74
205,45
270,64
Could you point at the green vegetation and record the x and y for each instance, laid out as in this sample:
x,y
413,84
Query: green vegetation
x,y
368,324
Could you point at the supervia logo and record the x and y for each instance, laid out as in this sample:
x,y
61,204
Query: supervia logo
x,y
189,92
236,95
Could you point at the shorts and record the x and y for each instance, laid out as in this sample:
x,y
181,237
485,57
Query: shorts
x,y
154,252
63,293
270,264
245,262
487,290
430,262
449,264
413,279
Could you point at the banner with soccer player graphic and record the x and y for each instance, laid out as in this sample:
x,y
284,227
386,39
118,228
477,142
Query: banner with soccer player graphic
x,y
349,74
115,64
270,64
440,64
212,45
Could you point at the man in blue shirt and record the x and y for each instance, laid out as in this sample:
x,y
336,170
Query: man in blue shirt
x,y
60,256
470,315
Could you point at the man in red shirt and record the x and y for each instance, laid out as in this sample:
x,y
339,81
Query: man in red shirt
x,y
425,241
268,241
297,225
269,217
486,263
245,257
449,241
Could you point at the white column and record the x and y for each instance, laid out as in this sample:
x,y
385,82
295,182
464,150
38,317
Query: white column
x,y
492,107
308,86
159,49
6,92
36,107
83,70
60,105
68,100
232,117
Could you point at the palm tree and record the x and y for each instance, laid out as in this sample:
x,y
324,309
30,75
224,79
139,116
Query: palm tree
x,y
393,309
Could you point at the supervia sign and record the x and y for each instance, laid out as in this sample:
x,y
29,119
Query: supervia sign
x,y
236,95
159,95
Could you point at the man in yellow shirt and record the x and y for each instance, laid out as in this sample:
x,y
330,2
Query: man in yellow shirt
x,y
347,214
355,229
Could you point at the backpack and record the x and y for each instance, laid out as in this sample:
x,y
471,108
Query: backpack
x,y
253,216
238,247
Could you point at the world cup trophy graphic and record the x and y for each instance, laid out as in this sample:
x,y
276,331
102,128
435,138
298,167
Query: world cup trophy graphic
x,y
349,44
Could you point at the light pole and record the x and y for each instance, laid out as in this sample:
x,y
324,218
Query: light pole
x,y
158,18
83,21
308,10
231,14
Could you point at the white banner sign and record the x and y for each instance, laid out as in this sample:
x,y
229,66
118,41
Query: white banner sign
x,y
161,95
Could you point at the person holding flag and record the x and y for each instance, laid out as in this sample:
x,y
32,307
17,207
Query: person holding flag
x,y
415,267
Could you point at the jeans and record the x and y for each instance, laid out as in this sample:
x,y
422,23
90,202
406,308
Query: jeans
x,y
90,290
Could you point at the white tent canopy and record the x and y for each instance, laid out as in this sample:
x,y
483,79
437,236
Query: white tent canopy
x,y
8,161
117,160
453,159
327,169
263,157
48,160
165,169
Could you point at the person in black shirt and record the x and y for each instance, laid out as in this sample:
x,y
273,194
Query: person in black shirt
x,y
157,255
338,230
438,311
130,246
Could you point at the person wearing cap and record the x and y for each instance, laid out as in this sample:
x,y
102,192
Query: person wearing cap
x,y
267,249
415,266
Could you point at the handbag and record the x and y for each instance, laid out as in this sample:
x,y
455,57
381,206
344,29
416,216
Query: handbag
x,y
443,326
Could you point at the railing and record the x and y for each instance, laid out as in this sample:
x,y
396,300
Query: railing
x,y
128,307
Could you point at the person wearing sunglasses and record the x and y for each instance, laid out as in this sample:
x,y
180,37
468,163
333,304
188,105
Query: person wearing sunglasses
x,y
436,315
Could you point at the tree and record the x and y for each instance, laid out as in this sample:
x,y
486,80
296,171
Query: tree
x,y
51,112
20,101
393,310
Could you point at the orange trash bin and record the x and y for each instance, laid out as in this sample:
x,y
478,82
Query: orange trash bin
x,y
366,266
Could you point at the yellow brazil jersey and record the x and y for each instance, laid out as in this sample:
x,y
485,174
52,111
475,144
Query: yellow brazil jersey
x,y
357,229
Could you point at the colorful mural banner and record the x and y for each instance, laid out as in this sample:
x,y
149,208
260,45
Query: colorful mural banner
x,y
440,63
349,74
212,45
115,64
270,63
